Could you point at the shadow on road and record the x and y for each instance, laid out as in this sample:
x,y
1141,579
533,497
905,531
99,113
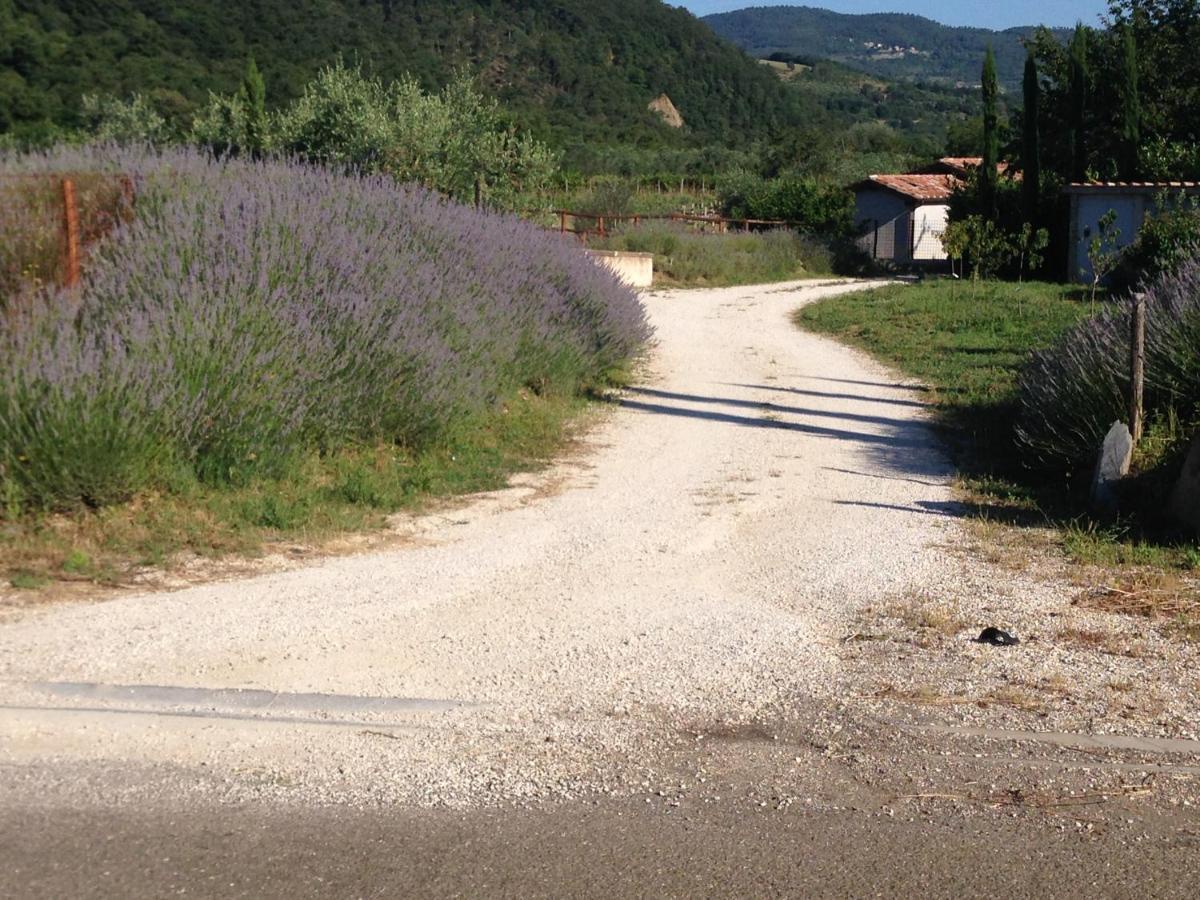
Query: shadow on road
x,y
828,395
903,446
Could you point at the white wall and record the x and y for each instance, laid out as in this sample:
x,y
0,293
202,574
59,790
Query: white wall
x,y
635,269
929,224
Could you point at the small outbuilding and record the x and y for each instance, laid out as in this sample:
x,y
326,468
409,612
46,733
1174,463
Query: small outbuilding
x,y
902,217
1131,202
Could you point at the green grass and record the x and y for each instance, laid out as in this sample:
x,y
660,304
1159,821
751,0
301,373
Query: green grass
x,y
321,497
687,259
968,343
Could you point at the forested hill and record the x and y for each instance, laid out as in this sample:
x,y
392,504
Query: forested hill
x,y
891,45
573,70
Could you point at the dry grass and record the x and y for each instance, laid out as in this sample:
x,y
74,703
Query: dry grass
x,y
921,613
1100,642
925,695
1022,696
1014,697
1164,597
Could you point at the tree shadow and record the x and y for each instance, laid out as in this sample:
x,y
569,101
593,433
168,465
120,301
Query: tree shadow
x,y
944,508
905,446
919,388
768,406
830,395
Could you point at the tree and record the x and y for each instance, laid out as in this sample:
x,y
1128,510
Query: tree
x,y
991,137
1104,250
981,243
131,121
1131,106
253,94
1078,93
1031,137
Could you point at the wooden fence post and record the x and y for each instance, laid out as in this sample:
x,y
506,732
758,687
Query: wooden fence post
x,y
1137,366
71,232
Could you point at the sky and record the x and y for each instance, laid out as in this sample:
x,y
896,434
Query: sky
x,y
990,14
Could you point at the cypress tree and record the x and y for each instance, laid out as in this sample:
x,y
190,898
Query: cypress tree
x,y
254,96
1078,90
1031,149
991,136
1131,105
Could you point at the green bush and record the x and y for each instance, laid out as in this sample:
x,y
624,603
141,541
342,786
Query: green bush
x,y
457,141
813,207
609,195
1165,242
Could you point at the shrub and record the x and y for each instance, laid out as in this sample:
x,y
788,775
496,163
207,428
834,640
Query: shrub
x,y
255,310
1073,392
456,141
813,207
132,120
1164,243
609,195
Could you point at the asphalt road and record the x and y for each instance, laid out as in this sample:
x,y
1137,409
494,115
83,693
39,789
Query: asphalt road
x,y
630,849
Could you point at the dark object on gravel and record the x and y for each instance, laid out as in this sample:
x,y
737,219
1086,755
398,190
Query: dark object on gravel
x,y
997,638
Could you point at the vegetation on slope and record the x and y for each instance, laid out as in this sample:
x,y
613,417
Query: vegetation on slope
x,y
889,45
922,112
572,71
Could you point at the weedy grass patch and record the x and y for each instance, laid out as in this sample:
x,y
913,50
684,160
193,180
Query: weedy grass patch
x,y
686,259
318,498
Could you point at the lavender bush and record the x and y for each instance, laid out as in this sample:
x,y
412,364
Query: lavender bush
x,y
1072,392
252,311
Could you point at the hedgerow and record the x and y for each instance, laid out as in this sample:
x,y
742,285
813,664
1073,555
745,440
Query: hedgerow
x,y
253,311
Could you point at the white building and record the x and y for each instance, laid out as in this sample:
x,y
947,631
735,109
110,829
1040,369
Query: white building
x,y
902,217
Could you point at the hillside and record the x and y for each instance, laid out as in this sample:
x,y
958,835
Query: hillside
x,y
890,45
920,111
573,71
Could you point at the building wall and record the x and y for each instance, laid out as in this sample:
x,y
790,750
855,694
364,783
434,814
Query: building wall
x,y
635,269
1089,205
885,216
1086,212
929,224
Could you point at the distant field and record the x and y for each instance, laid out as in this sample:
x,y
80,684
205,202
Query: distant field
x,y
786,71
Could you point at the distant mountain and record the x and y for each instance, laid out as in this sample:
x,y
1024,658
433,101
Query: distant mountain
x,y
890,45
576,71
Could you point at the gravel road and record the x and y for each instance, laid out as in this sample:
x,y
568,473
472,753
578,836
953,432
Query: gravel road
x,y
692,565
666,607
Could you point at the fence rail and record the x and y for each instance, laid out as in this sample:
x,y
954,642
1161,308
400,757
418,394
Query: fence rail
x,y
705,224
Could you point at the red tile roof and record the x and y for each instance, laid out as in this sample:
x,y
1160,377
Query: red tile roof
x,y
929,188
962,163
